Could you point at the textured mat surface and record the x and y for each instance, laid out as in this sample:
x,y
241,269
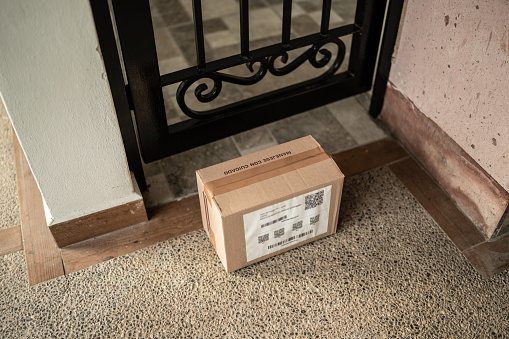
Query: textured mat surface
x,y
9,206
389,270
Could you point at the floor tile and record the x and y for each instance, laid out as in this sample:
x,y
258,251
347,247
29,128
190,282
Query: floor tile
x,y
310,5
176,18
255,4
320,124
296,9
173,112
254,140
335,19
165,45
356,120
166,6
345,9
157,21
212,8
180,168
303,25
152,168
221,39
214,25
184,37
158,191
172,65
262,23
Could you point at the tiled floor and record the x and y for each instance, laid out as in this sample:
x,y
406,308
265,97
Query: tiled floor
x,y
337,127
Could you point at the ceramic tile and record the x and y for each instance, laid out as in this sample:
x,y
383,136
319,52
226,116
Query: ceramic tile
x,y
165,6
320,124
172,65
158,191
168,6
356,120
335,19
165,45
212,8
254,140
176,18
214,25
263,23
296,10
184,37
303,25
152,168
264,41
173,112
255,4
345,9
221,39
157,21
180,168
310,5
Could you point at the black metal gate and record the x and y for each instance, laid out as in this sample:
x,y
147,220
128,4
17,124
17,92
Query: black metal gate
x,y
143,92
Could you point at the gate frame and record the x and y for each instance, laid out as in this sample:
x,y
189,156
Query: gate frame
x,y
143,91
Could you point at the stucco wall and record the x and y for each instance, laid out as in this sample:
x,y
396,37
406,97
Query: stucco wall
x,y
453,63
53,84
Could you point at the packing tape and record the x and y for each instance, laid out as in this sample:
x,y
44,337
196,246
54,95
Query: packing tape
x,y
264,172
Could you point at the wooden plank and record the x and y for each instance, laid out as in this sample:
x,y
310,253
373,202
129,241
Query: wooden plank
x,y
10,240
459,228
96,224
41,252
166,222
180,217
370,156
490,257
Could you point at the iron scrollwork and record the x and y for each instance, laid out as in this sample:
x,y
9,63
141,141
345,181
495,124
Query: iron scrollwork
x,y
265,64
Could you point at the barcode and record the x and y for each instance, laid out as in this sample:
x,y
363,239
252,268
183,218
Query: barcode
x,y
297,225
263,238
304,234
313,200
279,233
314,220
282,242
273,221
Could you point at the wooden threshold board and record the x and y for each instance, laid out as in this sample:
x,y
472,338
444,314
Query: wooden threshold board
x,y
10,240
180,217
42,255
487,257
368,157
165,222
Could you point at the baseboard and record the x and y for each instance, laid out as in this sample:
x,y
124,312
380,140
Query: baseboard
x,y
477,194
96,224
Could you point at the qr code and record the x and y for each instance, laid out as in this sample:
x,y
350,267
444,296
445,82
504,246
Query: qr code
x,y
297,225
313,200
315,219
263,238
279,233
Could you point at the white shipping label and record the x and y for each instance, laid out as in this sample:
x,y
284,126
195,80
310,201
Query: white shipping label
x,y
287,223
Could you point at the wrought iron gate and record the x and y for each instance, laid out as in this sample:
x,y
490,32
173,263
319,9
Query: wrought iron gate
x,y
143,92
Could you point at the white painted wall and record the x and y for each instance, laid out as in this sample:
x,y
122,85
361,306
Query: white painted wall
x,y
54,86
453,63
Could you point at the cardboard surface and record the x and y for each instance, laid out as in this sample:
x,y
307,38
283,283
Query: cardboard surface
x,y
271,201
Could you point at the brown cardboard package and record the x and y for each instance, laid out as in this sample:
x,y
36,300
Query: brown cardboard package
x,y
269,202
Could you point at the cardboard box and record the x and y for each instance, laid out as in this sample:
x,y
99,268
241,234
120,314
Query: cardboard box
x,y
269,202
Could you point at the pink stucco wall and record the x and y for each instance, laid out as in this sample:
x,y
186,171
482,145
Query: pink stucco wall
x,y
452,61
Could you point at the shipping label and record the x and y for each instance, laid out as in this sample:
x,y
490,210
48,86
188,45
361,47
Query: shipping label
x,y
287,223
